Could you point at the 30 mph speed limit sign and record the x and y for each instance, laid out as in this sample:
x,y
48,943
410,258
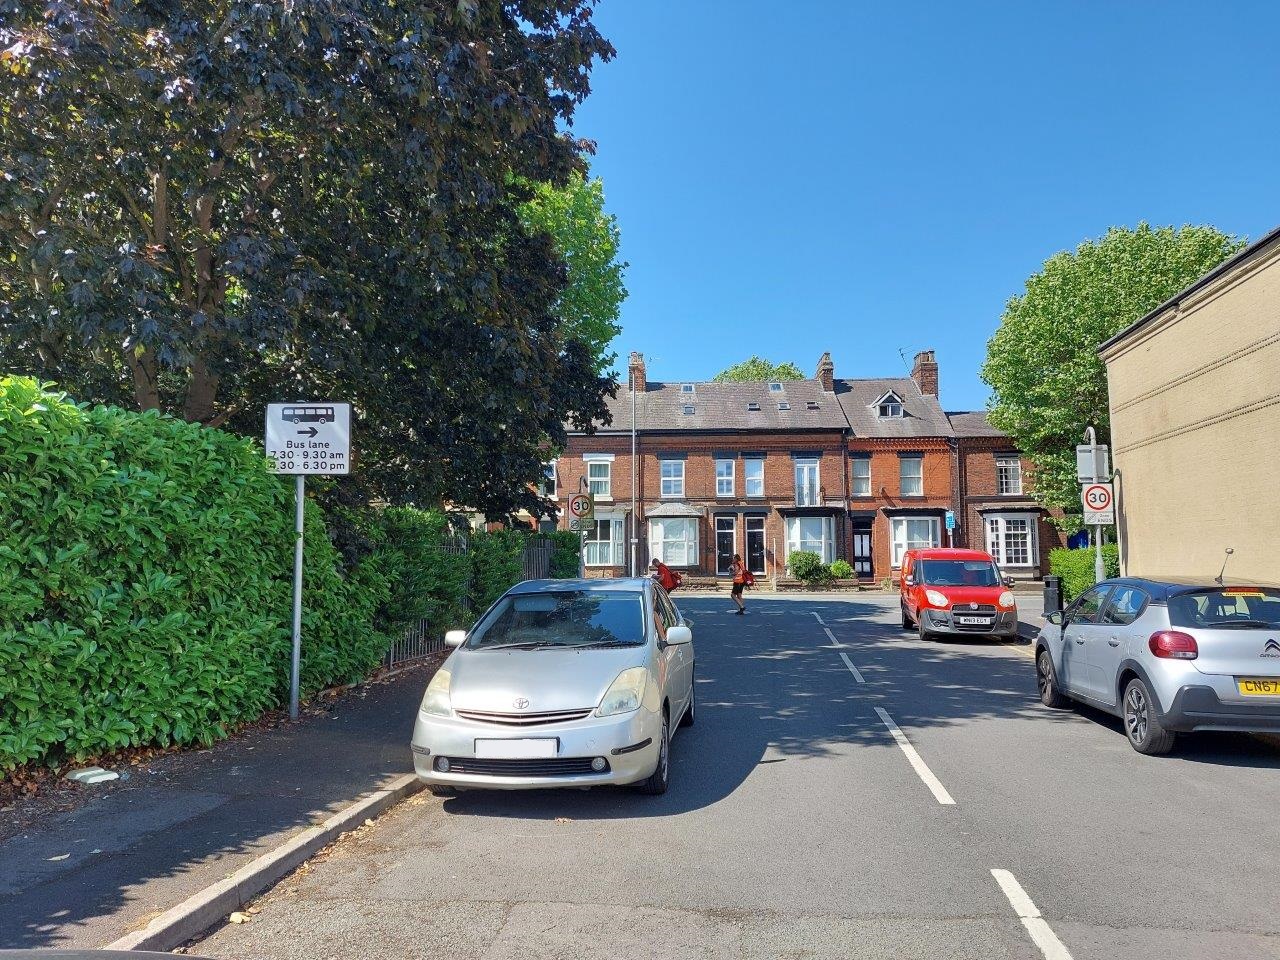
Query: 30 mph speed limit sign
x,y
1099,504
582,512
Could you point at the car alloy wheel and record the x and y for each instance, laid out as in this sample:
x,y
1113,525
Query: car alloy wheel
x,y
658,781
1137,716
1142,723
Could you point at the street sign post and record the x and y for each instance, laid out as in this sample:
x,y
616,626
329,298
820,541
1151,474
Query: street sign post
x,y
301,438
1099,504
582,512
1093,462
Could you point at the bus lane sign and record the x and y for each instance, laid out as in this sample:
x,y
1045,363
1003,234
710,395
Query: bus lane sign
x,y
311,437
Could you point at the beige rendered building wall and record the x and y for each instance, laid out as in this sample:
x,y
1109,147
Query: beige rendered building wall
x,y
1195,425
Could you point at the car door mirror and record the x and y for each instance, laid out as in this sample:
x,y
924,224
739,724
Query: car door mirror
x,y
1056,617
1008,582
679,635
455,638
910,581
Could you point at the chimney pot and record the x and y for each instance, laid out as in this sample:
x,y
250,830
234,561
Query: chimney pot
x,y
635,372
925,373
826,372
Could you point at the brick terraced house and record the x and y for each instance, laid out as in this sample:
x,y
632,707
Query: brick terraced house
x,y
860,470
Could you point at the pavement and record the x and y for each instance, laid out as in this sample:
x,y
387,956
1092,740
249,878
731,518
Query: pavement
x,y
847,791
85,877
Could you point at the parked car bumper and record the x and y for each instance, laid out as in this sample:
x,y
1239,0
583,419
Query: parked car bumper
x,y
1005,623
1198,707
628,744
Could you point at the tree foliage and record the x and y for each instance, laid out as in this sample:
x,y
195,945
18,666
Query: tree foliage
x,y
757,368
587,238
208,205
1042,363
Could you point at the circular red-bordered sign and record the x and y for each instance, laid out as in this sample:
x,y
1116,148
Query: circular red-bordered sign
x,y
579,506
1097,497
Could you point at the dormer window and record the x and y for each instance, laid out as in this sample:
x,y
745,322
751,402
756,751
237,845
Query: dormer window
x,y
784,405
688,409
811,405
686,388
775,387
890,405
753,407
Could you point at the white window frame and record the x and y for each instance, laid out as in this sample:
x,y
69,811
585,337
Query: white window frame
x,y
679,551
860,489
672,486
995,528
901,537
604,551
803,464
749,481
825,545
1008,474
601,487
725,483
550,480
889,407
903,477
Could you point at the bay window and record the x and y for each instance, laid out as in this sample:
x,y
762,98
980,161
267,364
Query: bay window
x,y
1011,539
912,533
674,540
812,535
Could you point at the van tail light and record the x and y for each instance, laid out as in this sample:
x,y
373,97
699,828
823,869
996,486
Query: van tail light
x,y
1173,645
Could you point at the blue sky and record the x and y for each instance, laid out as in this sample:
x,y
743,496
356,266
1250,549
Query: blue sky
x,y
869,178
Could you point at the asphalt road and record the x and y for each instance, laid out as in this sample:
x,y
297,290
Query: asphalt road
x,y
798,826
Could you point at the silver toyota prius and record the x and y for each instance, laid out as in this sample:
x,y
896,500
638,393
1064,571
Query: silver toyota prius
x,y
562,683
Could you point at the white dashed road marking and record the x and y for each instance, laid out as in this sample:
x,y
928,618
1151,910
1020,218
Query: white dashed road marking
x,y
832,637
852,669
917,762
1027,912
819,618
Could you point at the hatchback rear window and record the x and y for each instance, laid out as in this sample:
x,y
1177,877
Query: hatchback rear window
x,y
1245,608
563,618
959,573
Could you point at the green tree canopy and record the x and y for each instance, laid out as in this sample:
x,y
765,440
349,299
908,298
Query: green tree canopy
x,y
1042,363
587,238
757,368
206,206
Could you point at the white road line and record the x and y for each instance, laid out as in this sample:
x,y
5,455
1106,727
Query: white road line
x,y
1027,912
917,762
815,613
852,669
832,637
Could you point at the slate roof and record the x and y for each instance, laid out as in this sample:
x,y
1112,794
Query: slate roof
x,y
723,406
924,416
972,423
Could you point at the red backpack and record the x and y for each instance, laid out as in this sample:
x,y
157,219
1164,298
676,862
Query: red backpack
x,y
748,578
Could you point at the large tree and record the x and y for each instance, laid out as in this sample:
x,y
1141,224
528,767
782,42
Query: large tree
x,y
1042,363
208,204
757,368
587,238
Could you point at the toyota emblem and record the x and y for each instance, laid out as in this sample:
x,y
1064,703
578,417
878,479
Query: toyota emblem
x,y
520,703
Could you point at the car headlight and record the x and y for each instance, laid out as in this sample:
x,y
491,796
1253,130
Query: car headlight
x,y
1006,600
936,599
625,693
435,702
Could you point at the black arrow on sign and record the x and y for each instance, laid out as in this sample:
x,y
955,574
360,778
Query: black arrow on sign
x,y
309,432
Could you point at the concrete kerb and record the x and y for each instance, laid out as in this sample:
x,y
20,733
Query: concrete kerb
x,y
213,904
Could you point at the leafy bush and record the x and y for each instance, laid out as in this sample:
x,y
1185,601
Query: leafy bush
x,y
809,567
566,554
1075,567
841,570
497,563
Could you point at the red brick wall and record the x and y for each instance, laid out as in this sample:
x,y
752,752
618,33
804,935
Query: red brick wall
x,y
886,486
978,469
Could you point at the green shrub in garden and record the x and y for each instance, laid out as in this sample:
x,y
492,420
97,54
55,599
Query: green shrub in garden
x,y
497,564
566,556
841,570
1075,567
809,567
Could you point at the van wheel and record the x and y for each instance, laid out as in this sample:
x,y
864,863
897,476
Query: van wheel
x,y
925,635
906,620
1141,725
660,779
1050,695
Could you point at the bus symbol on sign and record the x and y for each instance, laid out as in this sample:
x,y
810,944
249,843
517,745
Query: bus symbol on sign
x,y
307,414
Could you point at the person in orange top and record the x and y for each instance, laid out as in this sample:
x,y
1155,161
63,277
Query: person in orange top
x,y
739,570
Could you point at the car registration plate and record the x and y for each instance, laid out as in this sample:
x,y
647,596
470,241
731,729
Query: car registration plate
x,y
975,621
1258,686
517,749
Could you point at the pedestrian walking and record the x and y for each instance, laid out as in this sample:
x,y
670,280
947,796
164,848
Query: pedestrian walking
x,y
669,579
739,570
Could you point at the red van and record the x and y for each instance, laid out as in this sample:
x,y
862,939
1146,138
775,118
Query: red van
x,y
945,590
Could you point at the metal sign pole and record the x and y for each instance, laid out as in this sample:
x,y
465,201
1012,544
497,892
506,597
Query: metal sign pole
x,y
1099,567
300,496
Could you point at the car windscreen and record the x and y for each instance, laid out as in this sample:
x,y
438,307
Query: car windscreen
x,y
563,618
1220,608
959,573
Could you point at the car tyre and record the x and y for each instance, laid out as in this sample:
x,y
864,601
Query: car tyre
x,y
1141,724
660,779
906,620
1050,695
688,720
442,791
925,635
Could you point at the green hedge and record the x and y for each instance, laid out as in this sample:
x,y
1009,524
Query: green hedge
x,y
809,567
1075,567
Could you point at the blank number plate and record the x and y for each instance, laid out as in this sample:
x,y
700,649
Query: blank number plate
x,y
516,749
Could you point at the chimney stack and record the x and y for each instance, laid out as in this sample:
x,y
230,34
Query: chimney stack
x,y
635,372
925,373
826,372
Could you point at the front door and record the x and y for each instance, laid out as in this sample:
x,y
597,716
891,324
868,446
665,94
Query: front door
x,y
726,528
862,551
755,545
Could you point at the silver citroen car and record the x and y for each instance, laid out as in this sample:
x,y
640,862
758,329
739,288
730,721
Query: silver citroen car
x,y
562,683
